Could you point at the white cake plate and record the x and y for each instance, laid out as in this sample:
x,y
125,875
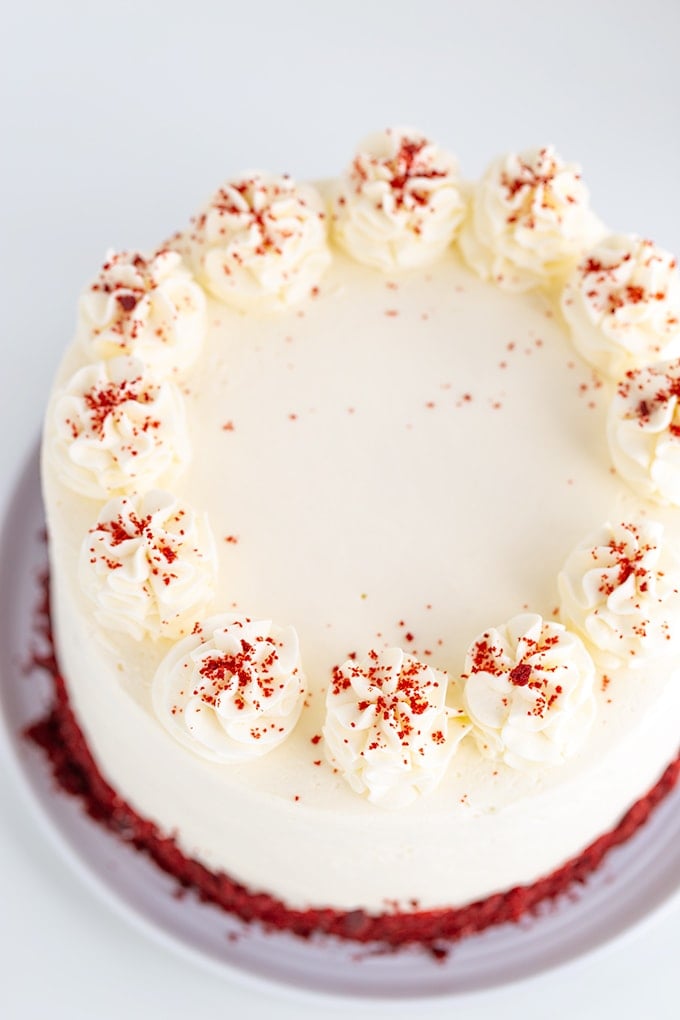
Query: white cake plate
x,y
636,879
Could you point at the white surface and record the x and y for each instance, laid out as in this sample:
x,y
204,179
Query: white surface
x,y
119,122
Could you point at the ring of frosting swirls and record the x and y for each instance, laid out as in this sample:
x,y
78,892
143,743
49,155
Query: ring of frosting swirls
x,y
261,242
400,203
149,307
620,589
528,220
118,429
149,565
390,727
233,690
529,692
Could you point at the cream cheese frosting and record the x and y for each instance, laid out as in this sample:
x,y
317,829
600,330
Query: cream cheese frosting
x,y
529,692
233,690
147,306
400,203
148,565
622,303
529,220
643,430
260,243
389,728
117,428
620,588
379,494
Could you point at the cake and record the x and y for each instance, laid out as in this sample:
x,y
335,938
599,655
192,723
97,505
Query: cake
x,y
363,508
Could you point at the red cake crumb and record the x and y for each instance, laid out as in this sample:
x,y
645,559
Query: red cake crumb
x,y
58,735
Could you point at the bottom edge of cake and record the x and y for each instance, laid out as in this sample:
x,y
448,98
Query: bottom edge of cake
x,y
75,771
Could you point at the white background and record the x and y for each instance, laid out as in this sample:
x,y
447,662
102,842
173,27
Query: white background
x,y
118,119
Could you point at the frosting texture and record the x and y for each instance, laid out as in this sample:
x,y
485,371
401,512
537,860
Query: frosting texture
x,y
529,692
643,430
260,244
622,303
391,728
148,566
150,307
400,204
233,690
528,220
619,588
117,428
267,403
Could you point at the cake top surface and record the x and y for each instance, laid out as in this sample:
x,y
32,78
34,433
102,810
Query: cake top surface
x,y
396,452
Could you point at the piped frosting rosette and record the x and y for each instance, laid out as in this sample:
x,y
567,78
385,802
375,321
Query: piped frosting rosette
x,y
117,428
233,690
622,304
620,589
149,307
400,204
261,242
529,220
529,692
149,566
643,430
391,726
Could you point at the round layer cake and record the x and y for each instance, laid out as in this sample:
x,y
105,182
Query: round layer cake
x,y
363,529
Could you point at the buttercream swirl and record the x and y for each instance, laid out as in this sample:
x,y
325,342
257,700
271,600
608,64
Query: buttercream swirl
x,y
233,690
529,692
643,430
391,727
149,565
528,220
622,304
261,242
147,306
117,429
619,588
399,205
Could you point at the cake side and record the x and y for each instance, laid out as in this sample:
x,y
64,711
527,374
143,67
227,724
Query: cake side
x,y
60,737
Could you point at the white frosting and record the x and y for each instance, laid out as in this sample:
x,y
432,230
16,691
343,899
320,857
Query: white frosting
x,y
389,728
529,692
150,307
622,303
233,690
148,565
619,589
400,203
643,430
260,243
528,220
116,428
363,549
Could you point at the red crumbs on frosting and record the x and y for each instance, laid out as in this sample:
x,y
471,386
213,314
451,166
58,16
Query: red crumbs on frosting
x,y
396,704
533,671
633,387
238,672
103,401
523,187
627,562
407,166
